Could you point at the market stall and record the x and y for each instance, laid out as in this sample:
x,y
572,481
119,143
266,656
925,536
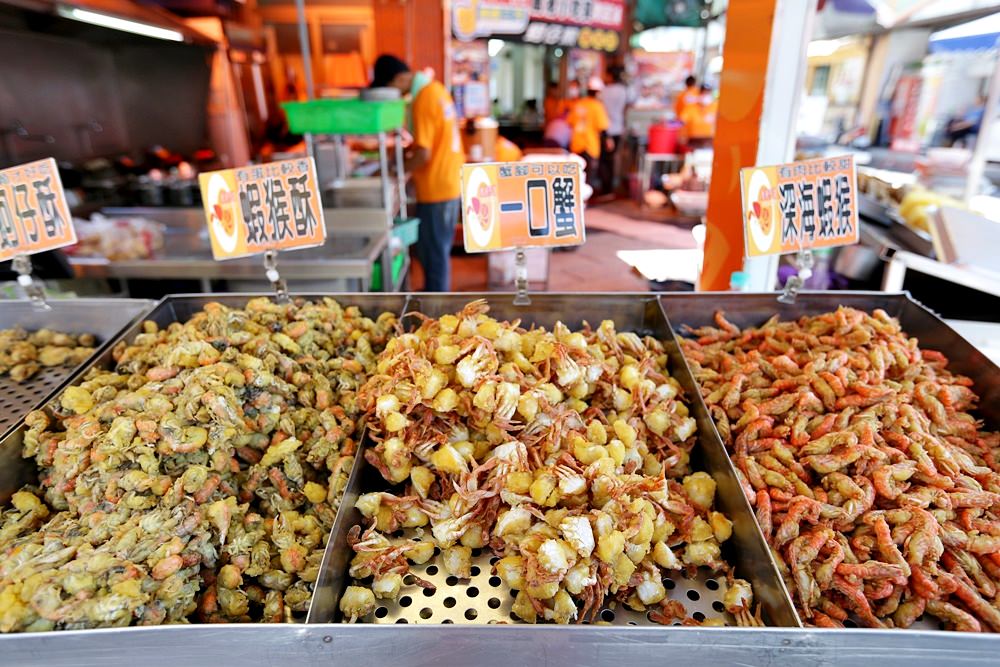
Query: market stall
x,y
481,596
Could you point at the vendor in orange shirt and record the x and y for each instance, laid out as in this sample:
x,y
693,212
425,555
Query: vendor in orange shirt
x,y
690,95
699,120
588,120
435,160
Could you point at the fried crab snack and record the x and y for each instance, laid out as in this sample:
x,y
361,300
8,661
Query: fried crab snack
x,y
197,480
877,490
566,454
23,354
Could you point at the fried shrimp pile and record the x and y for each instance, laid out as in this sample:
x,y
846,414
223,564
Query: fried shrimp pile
x,y
196,480
877,490
22,354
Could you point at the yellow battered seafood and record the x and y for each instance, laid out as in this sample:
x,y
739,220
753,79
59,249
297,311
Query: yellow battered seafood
x,y
198,479
564,453
877,490
23,354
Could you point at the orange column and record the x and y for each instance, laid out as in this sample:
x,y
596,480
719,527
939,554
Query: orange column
x,y
741,100
413,30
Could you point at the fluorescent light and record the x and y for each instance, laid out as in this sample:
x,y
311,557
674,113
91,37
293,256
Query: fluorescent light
x,y
118,23
494,47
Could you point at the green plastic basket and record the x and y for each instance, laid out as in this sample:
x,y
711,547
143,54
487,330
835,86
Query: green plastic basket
x,y
345,116
397,270
407,230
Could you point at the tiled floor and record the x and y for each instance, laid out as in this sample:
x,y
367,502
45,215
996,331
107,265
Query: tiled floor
x,y
593,267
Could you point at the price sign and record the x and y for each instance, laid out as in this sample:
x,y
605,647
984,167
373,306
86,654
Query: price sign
x,y
801,205
521,205
34,215
274,206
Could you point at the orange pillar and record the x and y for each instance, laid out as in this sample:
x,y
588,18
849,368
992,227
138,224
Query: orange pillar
x,y
745,55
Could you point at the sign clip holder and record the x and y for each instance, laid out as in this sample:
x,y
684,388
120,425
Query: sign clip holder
x,y
22,265
277,282
804,262
521,297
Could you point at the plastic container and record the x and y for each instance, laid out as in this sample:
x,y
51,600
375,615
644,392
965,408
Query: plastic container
x,y
344,116
407,230
397,269
663,138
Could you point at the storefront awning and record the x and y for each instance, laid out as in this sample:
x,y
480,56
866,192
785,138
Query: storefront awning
x,y
975,35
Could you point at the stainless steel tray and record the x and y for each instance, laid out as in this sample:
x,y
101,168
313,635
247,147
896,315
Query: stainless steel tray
x,y
371,645
16,471
745,310
485,599
102,317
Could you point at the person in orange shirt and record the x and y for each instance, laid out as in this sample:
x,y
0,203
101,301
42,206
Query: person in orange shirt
x,y
699,120
690,95
435,160
552,106
588,120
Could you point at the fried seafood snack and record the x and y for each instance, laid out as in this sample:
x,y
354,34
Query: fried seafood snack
x,y
22,354
196,480
877,489
566,454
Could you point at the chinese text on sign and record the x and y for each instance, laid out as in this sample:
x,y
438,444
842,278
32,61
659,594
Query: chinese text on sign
x,y
34,215
521,205
274,206
801,205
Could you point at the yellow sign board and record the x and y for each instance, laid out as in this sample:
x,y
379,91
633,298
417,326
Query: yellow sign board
x,y
521,205
274,206
798,206
34,215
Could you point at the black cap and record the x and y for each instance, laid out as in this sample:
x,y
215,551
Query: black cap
x,y
387,67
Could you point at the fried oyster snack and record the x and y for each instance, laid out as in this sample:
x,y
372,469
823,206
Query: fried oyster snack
x,y
877,490
23,354
564,453
198,479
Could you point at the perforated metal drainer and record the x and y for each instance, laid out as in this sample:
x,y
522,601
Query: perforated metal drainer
x,y
15,397
484,598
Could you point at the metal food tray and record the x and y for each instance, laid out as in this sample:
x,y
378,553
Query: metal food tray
x,y
484,598
374,645
747,310
103,318
16,471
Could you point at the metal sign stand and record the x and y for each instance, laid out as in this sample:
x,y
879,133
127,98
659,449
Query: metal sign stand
x,y
277,282
521,298
804,262
22,265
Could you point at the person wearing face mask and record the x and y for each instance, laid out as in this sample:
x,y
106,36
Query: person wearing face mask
x,y
435,161
699,120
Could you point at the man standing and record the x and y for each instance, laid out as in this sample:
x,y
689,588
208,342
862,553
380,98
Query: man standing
x,y
615,98
690,95
435,161
588,120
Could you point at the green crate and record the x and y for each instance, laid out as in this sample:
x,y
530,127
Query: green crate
x,y
397,268
345,116
407,230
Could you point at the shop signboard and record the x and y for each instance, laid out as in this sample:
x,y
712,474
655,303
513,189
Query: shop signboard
x,y
34,214
585,24
521,205
798,206
252,210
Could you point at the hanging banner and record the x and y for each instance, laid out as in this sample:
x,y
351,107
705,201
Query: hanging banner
x,y
594,24
801,205
274,206
521,205
34,215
